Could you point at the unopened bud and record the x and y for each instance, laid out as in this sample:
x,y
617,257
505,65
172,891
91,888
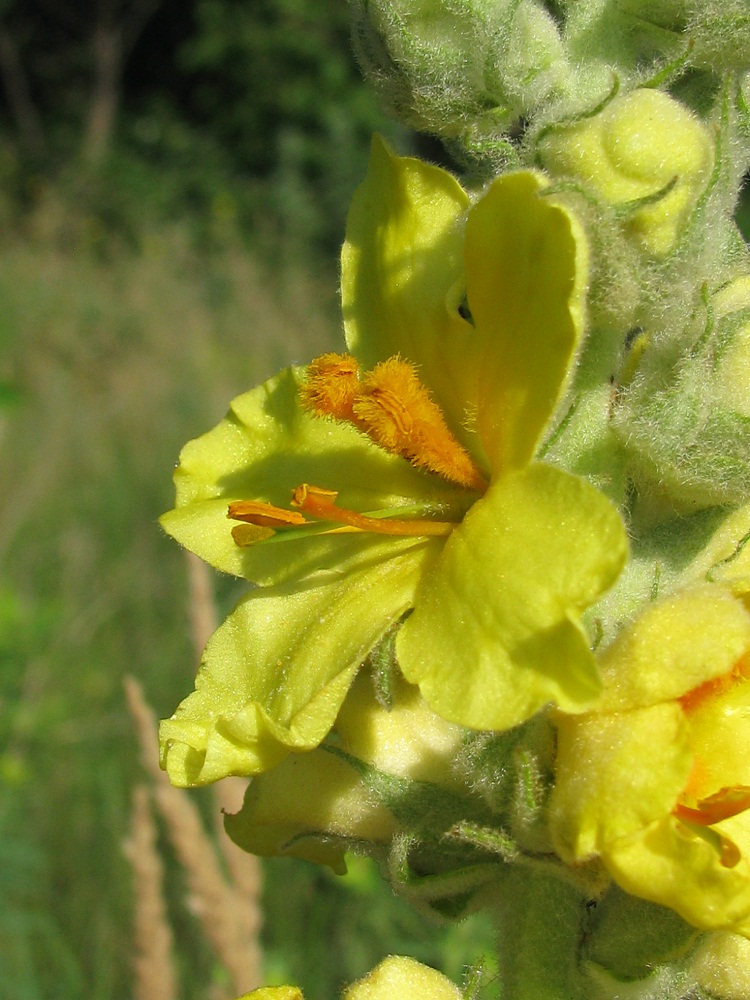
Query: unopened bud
x,y
397,977
644,153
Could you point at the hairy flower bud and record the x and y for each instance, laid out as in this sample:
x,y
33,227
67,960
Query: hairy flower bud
x,y
397,977
644,153
686,423
718,30
464,70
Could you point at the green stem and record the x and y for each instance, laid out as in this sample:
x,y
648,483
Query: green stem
x,y
539,921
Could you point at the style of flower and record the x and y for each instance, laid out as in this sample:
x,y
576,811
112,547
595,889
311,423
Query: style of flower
x,y
656,781
399,478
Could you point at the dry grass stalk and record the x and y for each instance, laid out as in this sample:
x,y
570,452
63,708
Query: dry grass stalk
x,y
202,610
244,869
222,910
154,968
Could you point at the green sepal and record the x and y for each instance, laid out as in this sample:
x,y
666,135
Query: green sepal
x,y
445,894
683,444
629,936
425,810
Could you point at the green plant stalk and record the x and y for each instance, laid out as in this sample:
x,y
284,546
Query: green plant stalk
x,y
539,928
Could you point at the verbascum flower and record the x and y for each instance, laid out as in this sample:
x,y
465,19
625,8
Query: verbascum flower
x,y
656,782
394,978
401,477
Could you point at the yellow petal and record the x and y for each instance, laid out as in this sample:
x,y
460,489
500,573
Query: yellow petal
x,y
526,270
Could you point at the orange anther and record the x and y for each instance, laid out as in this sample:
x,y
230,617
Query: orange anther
x,y
394,409
724,804
397,412
264,514
331,385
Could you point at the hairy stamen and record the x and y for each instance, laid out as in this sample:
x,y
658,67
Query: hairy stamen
x,y
394,409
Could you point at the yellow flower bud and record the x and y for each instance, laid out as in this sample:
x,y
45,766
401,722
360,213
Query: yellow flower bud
x,y
721,965
312,805
397,977
409,740
273,993
639,145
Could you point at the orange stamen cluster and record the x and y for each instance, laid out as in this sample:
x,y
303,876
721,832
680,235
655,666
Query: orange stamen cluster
x,y
394,409
321,505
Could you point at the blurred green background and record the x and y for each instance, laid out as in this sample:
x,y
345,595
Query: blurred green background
x,y
174,178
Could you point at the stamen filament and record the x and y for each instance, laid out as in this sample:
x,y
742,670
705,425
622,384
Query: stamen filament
x,y
320,503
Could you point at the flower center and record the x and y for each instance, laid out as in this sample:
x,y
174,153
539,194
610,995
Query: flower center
x,y
392,407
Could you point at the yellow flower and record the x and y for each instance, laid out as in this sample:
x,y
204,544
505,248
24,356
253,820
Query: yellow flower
x,y
657,781
401,476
